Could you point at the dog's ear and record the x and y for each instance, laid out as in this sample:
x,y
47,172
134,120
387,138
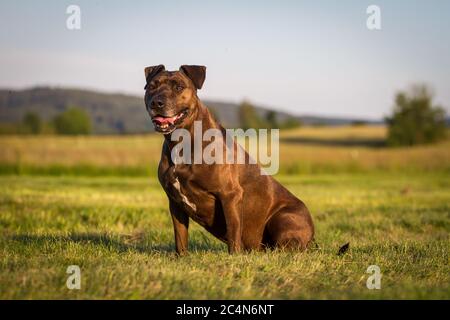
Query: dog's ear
x,y
151,72
196,73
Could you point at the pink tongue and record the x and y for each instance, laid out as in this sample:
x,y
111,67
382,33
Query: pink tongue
x,y
163,120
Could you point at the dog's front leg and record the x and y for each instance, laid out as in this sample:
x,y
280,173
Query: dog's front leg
x,y
232,208
180,226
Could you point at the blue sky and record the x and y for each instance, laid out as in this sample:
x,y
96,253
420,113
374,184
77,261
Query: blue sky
x,y
307,57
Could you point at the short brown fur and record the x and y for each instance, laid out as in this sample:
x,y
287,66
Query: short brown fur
x,y
234,202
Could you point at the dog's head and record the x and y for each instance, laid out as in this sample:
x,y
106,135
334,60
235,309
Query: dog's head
x,y
171,96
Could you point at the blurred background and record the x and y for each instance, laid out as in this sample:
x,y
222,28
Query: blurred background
x,y
315,70
361,98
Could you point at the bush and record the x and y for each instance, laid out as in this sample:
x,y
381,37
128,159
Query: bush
x,y
415,120
32,123
73,121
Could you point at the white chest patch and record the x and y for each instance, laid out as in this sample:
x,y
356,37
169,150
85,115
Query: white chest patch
x,y
185,200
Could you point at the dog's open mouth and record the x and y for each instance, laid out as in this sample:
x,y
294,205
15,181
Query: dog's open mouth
x,y
168,124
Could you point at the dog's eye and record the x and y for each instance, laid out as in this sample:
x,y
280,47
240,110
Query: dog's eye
x,y
179,88
153,84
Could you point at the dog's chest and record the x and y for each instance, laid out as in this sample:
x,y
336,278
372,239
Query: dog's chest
x,y
181,196
178,192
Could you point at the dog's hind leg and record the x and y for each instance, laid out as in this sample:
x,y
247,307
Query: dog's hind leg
x,y
290,229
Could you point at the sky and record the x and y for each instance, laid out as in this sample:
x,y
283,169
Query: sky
x,y
305,57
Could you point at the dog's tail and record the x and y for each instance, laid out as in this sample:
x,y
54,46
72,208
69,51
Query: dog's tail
x,y
343,249
313,245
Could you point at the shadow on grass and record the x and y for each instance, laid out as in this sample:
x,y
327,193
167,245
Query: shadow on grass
x,y
350,142
116,242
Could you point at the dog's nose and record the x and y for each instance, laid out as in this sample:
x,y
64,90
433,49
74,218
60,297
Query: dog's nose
x,y
158,102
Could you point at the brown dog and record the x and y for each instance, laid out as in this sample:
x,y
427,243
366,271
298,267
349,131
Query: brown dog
x,y
234,202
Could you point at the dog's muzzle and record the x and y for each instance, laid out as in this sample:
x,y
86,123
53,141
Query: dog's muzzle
x,y
166,124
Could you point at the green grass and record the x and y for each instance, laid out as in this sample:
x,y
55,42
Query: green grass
x,y
118,230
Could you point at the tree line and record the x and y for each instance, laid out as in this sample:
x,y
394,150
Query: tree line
x,y
415,119
249,118
73,121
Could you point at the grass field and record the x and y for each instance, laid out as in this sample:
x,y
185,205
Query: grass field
x,y
302,151
95,202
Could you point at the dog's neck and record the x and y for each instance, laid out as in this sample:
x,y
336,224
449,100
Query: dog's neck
x,y
202,114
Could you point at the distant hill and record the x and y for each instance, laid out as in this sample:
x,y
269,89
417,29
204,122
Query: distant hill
x,y
118,113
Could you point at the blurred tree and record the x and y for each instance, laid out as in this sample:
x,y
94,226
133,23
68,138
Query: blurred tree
x,y
415,120
291,123
73,121
249,118
32,123
271,119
